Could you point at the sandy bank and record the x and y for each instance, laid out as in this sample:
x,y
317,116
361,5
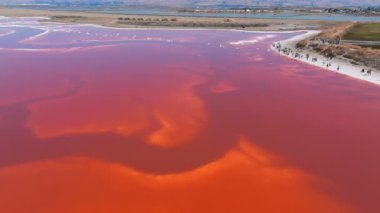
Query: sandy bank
x,y
155,21
338,65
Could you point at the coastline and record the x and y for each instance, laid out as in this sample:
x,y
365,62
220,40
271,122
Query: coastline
x,y
275,26
156,21
345,67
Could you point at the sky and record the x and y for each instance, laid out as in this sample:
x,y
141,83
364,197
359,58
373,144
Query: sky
x,y
324,3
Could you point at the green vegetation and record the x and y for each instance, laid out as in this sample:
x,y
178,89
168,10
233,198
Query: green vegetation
x,y
364,32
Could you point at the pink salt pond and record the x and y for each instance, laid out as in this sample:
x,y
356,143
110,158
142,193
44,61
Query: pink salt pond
x,y
168,102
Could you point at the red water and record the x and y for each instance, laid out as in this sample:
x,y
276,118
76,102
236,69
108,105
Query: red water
x,y
180,121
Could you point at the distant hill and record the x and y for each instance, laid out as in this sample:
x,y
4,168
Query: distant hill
x,y
211,3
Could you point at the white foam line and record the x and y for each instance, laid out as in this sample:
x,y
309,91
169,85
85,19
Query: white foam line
x,y
252,41
58,49
24,49
8,33
242,42
47,31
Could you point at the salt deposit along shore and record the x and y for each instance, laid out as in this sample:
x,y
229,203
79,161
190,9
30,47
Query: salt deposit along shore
x,y
339,65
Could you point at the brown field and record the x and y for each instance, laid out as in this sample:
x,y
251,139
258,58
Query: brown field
x,y
136,21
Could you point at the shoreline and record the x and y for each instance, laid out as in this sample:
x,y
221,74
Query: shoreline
x,y
346,68
48,20
155,21
338,65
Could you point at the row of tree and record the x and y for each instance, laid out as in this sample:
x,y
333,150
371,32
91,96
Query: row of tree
x,y
147,19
